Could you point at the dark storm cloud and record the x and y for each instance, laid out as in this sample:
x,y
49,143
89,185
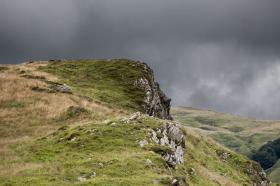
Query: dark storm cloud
x,y
219,54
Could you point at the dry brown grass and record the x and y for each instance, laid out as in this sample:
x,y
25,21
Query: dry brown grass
x,y
15,87
15,168
37,112
216,177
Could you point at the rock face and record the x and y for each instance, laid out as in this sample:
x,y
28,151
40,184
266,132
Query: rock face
x,y
172,136
156,103
258,174
63,88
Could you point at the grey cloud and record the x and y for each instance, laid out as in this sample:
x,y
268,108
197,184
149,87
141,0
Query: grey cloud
x,y
218,54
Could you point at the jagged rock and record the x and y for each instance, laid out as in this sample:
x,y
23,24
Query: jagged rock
x,y
135,116
156,103
63,88
172,136
258,174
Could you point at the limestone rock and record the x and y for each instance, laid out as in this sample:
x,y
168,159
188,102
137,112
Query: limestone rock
x,y
81,179
148,162
135,116
172,136
175,182
156,103
63,88
258,174
142,143
225,155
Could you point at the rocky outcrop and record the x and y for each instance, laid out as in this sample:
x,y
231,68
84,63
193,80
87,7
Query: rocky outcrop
x,y
257,174
63,88
156,103
167,140
171,135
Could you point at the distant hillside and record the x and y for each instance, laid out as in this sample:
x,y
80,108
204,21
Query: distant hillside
x,y
245,135
269,156
103,122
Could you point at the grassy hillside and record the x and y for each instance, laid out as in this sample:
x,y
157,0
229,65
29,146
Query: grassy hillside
x,y
107,81
82,137
274,172
106,154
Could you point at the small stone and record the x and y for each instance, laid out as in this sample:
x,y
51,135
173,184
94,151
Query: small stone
x,y
135,116
175,182
148,162
82,179
192,171
100,164
142,143
225,155
93,175
107,121
114,124
61,88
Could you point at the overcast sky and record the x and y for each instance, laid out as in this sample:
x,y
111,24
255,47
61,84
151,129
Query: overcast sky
x,y
222,55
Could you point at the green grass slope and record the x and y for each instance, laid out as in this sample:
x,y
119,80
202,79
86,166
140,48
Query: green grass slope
x,y
109,154
107,81
55,138
274,173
